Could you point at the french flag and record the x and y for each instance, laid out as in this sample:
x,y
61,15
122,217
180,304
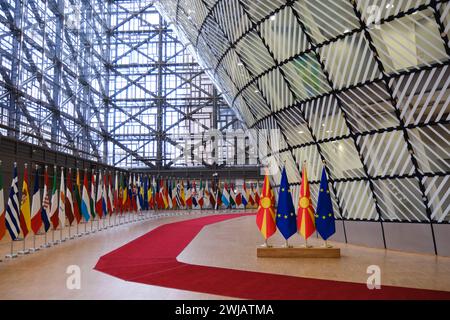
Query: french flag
x,y
36,218
45,213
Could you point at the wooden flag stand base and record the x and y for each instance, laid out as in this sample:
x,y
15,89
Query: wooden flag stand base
x,y
298,252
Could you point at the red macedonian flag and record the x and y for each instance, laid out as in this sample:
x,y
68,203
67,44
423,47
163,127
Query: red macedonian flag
x,y
265,218
305,215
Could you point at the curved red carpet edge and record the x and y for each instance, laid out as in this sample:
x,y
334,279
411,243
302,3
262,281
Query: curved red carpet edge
x,y
151,259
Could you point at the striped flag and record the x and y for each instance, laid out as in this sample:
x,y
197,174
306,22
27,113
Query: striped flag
x,y
164,193
178,195
104,196
244,195
212,197
119,194
232,196
225,196
45,213
174,195
77,195
69,201
12,208
132,194
98,202
25,215
206,195
54,205
85,201
62,202
110,195
36,218
194,195
2,206
92,199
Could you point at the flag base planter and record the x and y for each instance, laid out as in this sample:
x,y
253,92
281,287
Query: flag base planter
x,y
298,252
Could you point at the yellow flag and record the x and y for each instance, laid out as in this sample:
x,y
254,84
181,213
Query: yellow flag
x,y
25,215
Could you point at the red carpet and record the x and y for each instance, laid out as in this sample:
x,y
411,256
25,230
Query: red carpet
x,y
151,259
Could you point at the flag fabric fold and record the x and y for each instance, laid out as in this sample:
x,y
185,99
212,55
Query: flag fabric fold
x,y
92,199
69,200
12,208
54,210
98,200
2,206
77,195
85,201
25,211
62,202
36,218
244,195
265,217
45,212
225,196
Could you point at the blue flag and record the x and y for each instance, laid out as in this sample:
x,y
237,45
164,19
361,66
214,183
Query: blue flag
x,y
324,214
12,209
286,218
145,204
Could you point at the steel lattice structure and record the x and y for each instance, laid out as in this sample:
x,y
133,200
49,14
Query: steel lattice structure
x,y
362,85
105,80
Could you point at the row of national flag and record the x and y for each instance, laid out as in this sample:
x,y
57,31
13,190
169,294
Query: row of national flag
x,y
95,194
306,220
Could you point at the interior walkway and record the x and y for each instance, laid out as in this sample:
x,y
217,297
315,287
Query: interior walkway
x,y
229,244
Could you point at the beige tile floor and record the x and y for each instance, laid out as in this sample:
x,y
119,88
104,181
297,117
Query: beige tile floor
x,y
232,243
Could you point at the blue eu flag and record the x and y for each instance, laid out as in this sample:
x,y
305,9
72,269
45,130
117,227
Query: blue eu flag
x,y
286,219
324,214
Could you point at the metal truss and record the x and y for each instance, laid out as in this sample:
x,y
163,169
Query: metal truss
x,y
108,81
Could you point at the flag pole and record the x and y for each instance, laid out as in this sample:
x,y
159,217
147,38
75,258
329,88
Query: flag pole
x,y
34,244
61,239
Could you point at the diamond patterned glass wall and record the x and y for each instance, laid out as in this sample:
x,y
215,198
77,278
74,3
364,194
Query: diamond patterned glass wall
x,y
361,84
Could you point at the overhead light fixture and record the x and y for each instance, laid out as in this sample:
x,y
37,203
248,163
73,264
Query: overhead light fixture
x,y
240,64
389,5
272,18
301,132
